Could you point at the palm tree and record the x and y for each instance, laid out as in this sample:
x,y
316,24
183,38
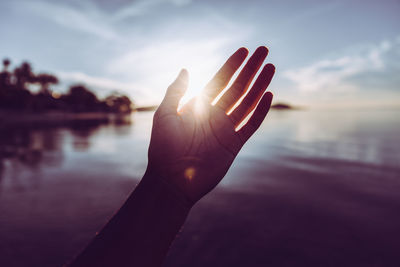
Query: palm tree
x,y
81,99
6,63
23,75
118,103
5,75
45,80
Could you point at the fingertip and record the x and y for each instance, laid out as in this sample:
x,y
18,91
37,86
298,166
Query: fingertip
x,y
269,69
240,54
270,66
267,98
183,72
243,50
183,75
262,50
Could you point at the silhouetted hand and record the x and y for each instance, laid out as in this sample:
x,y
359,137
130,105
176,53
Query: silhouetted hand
x,y
192,149
190,152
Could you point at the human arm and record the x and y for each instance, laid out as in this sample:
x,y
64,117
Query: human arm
x,y
190,152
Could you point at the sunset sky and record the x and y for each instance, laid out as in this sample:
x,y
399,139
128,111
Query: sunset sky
x,y
326,53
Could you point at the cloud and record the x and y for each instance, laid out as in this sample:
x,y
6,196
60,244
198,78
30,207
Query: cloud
x,y
144,72
87,17
83,16
156,65
104,86
335,74
141,63
99,82
142,7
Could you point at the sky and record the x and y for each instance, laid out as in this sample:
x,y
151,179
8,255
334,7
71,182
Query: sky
x,y
328,54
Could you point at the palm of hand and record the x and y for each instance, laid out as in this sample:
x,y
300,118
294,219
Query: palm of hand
x,y
193,149
197,147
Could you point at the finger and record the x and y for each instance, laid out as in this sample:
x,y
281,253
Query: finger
x,y
174,93
253,96
239,87
257,118
225,73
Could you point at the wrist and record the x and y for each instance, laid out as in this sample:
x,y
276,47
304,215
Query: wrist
x,y
161,185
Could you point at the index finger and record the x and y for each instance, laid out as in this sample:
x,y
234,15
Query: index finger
x,y
225,73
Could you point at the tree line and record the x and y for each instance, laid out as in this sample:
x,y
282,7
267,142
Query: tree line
x,y
16,93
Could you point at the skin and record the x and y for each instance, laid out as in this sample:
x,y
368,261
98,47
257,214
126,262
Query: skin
x,y
191,149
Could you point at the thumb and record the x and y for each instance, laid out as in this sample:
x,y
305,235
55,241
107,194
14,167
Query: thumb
x,y
175,92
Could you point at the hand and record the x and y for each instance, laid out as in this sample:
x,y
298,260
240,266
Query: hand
x,y
193,148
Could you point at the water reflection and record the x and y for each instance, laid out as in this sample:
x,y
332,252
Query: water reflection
x,y
307,185
359,136
26,149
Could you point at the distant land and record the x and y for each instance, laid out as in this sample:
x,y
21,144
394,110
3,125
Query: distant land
x,y
278,106
19,97
282,106
146,108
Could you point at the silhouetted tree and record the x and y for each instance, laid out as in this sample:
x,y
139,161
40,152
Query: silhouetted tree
x,y
80,99
6,63
5,75
44,80
118,103
15,94
23,75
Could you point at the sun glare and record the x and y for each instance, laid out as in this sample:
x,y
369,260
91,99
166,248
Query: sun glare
x,y
201,58
200,72
156,66
190,173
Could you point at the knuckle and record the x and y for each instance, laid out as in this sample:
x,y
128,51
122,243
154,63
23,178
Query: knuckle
x,y
239,86
223,103
251,68
230,68
218,81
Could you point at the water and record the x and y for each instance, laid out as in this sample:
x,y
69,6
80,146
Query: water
x,y
309,189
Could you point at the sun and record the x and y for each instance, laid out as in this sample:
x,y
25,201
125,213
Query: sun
x,y
201,71
154,67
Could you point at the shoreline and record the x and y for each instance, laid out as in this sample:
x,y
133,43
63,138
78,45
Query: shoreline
x,y
60,118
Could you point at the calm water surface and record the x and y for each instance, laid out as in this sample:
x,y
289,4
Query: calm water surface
x,y
312,188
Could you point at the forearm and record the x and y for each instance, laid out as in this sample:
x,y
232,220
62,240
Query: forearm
x,y
142,231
